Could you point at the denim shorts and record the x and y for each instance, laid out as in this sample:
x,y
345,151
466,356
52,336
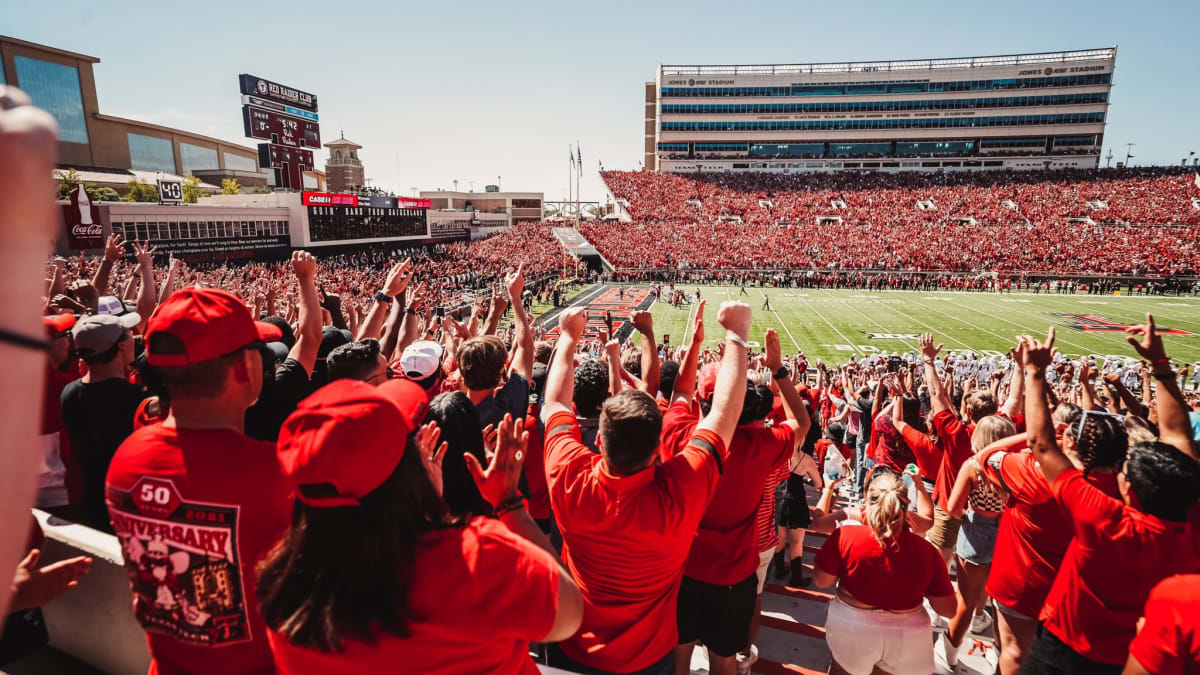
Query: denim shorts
x,y
977,538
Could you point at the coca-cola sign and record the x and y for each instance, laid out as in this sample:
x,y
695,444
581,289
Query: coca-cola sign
x,y
82,219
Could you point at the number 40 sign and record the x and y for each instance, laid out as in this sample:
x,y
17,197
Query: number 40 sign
x,y
170,191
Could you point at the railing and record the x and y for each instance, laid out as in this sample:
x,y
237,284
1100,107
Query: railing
x,y
874,66
801,272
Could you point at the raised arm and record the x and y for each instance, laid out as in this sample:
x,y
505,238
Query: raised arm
x,y
644,323
793,407
308,332
1086,395
397,280
1037,356
147,298
168,285
939,398
560,381
522,362
685,382
1173,424
612,356
114,250
730,392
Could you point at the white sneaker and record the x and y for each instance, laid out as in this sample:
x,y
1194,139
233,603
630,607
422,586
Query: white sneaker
x,y
981,623
949,651
746,659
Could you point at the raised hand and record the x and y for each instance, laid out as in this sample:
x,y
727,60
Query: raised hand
x,y
144,253
87,293
432,454
499,482
698,324
398,278
642,321
515,283
114,248
735,317
928,351
1038,354
774,353
304,265
573,321
1151,345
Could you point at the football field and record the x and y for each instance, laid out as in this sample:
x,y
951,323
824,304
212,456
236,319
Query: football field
x,y
833,325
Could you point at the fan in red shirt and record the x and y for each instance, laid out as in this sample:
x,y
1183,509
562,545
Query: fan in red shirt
x,y
628,517
1122,548
720,581
193,500
1168,639
882,571
375,576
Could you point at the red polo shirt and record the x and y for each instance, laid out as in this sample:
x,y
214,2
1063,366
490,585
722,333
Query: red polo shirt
x,y
195,510
1117,556
895,578
1169,641
480,595
725,551
625,540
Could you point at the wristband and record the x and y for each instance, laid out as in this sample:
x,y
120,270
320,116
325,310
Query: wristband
x,y
781,374
382,298
737,339
26,341
1169,375
514,503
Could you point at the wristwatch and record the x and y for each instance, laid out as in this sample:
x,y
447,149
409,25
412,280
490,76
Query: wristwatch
x,y
782,373
382,297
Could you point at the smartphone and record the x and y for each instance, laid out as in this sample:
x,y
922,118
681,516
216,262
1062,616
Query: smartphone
x,y
439,312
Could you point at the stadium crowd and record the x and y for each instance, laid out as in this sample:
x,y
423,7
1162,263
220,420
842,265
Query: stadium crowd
x,y
435,493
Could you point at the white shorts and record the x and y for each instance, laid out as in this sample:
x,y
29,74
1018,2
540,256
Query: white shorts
x,y
861,639
764,561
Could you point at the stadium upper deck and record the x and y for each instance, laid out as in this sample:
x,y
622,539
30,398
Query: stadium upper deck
x,y
1024,111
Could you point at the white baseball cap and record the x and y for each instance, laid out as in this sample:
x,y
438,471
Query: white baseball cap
x,y
420,359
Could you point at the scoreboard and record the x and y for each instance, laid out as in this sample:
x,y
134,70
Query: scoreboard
x,y
285,117
268,125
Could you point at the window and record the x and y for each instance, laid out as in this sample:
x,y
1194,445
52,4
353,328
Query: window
x,y
1075,140
672,147
151,153
913,123
881,106
55,88
1013,143
892,87
196,157
240,163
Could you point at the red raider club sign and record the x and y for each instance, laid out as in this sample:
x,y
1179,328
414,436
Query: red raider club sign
x,y
183,563
82,219
1091,323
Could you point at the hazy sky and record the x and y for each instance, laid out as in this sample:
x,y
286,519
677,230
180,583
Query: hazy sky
x,y
470,91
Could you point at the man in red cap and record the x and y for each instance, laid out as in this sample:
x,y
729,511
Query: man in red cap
x,y
194,501
60,479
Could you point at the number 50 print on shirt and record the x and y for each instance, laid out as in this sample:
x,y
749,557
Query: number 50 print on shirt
x,y
182,560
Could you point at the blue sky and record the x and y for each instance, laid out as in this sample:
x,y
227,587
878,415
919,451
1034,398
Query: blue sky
x,y
472,91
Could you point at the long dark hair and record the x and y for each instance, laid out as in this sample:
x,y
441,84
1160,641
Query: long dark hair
x,y
344,573
459,421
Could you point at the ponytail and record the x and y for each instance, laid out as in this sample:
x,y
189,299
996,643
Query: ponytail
x,y
885,508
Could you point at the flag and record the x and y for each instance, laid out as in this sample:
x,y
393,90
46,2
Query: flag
x,y
579,155
572,154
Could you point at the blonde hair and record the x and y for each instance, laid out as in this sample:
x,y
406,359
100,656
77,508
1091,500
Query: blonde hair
x,y
887,502
991,429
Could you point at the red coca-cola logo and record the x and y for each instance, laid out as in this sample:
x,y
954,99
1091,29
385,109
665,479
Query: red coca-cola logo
x,y
93,230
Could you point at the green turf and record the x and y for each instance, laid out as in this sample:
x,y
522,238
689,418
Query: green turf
x,y
833,325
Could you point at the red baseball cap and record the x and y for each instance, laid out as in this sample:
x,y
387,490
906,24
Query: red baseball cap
x,y
58,324
410,397
708,380
341,443
208,322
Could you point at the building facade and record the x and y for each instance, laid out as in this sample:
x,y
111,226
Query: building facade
x,y
491,209
343,169
1026,111
63,84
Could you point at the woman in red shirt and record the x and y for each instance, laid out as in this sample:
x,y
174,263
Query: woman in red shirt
x,y
882,571
375,575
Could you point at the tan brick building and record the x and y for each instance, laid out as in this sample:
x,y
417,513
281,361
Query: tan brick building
x,y
343,169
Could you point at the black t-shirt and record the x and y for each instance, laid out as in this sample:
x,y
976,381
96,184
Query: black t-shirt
x,y
98,417
279,398
864,420
513,398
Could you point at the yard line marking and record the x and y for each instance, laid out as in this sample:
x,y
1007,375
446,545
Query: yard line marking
x,y
931,328
881,326
1009,339
787,330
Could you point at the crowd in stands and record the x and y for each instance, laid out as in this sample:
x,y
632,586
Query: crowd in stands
x,y
1140,196
302,488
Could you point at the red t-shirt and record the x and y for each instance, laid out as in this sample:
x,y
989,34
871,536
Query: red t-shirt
x,y
535,468
765,531
821,448
195,510
955,438
625,539
480,595
1034,532
927,453
895,578
1169,642
1117,556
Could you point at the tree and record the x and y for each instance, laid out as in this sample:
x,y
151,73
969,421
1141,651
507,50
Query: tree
x,y
101,194
140,191
191,190
68,182
229,186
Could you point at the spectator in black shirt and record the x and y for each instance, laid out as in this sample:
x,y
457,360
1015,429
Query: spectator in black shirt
x,y
285,385
98,409
481,362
